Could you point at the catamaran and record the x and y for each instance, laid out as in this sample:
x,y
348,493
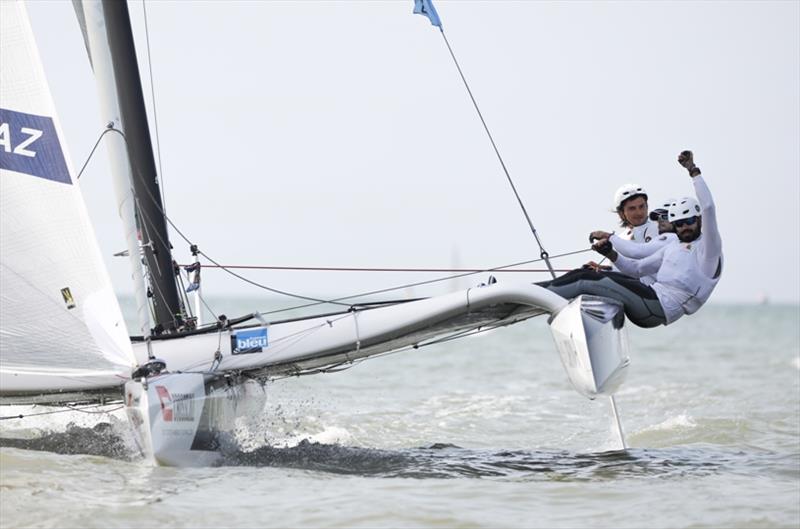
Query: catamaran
x,y
63,339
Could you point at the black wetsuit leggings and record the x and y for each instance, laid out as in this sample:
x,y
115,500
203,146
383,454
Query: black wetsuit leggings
x,y
640,301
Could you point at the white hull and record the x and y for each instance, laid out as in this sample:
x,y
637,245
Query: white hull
x,y
591,339
293,346
183,419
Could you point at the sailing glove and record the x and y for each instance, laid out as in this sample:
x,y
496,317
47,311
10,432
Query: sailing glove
x,y
603,247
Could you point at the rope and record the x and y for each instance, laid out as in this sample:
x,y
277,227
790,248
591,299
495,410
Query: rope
x,y
153,95
203,301
420,283
109,128
68,409
358,334
218,353
357,269
347,364
542,252
259,285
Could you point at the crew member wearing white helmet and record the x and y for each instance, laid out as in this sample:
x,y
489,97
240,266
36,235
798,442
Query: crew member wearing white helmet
x,y
630,248
686,273
661,216
630,203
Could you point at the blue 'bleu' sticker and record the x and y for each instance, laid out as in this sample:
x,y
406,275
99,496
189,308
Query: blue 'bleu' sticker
x,y
29,144
249,341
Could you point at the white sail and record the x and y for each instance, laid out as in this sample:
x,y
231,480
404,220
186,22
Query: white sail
x,y
61,327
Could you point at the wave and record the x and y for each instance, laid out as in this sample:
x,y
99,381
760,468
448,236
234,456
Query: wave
x,y
437,461
102,439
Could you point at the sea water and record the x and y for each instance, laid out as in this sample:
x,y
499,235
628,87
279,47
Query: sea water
x,y
479,432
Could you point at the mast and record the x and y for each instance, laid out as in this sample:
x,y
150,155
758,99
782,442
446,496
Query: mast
x,y
93,26
152,224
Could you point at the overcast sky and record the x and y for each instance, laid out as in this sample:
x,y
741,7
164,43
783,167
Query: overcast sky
x,y
340,134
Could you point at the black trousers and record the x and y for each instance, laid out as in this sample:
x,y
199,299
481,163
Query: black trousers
x,y
639,300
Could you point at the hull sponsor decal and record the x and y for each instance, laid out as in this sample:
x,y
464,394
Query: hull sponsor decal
x,y
249,341
176,407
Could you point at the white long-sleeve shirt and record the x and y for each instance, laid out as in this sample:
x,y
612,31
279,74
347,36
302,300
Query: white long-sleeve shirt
x,y
641,233
686,273
636,250
638,235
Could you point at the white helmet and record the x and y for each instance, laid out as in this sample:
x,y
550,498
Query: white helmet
x,y
685,208
627,191
662,211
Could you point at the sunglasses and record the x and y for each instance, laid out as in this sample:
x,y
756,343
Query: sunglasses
x,y
658,215
684,222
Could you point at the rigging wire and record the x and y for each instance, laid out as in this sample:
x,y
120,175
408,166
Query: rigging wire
x,y
361,269
155,114
420,283
347,364
66,408
156,288
184,296
542,252
137,174
208,308
108,129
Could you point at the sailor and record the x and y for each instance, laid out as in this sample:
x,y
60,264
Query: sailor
x,y
660,215
630,248
630,203
686,273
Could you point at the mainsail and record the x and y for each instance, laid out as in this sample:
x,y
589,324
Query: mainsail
x,y
61,328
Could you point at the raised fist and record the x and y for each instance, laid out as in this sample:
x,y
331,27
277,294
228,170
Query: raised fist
x,y
686,159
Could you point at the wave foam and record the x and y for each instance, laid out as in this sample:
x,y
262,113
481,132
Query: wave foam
x,y
679,422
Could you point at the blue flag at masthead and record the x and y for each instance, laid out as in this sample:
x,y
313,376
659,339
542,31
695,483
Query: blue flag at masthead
x,y
425,7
